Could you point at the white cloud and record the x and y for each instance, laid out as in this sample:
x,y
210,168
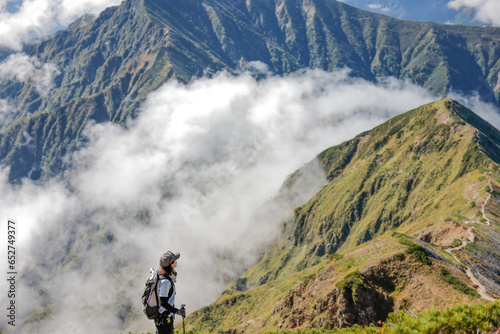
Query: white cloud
x,y
198,162
5,109
24,68
378,7
71,9
486,10
37,18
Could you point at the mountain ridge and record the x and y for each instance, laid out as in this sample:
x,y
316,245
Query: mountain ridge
x,y
107,65
393,250
368,180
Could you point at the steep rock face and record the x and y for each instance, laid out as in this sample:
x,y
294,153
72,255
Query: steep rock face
x,y
363,298
336,308
107,65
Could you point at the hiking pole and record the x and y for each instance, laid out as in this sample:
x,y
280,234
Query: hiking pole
x,y
183,307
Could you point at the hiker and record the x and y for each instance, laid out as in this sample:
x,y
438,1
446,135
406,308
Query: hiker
x,y
166,293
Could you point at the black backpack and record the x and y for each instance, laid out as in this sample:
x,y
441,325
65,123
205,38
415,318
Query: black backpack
x,y
150,298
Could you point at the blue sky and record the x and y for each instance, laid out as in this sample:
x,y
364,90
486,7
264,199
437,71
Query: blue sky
x,y
423,10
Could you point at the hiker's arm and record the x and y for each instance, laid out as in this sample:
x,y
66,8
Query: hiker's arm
x,y
167,306
165,294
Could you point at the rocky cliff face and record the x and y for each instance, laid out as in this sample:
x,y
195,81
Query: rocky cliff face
x,y
337,307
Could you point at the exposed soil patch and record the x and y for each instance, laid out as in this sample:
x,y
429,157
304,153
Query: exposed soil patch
x,y
443,116
472,192
318,302
444,234
362,140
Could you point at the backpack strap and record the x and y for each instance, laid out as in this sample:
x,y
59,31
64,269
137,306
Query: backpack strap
x,y
156,289
171,291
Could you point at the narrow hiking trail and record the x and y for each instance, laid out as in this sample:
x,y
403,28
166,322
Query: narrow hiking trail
x,y
488,198
481,289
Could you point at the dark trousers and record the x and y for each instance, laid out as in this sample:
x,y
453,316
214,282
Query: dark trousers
x,y
165,327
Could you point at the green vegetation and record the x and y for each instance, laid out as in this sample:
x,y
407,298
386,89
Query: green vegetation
x,y
351,283
457,284
336,256
464,319
467,319
417,251
380,182
456,243
399,235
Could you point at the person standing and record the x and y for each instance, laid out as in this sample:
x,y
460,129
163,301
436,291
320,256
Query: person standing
x,y
166,293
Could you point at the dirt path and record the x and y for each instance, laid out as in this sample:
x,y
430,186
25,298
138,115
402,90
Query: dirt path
x,y
481,289
465,242
488,198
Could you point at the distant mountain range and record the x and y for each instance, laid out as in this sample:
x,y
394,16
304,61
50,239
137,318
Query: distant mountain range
x,y
425,10
410,213
105,66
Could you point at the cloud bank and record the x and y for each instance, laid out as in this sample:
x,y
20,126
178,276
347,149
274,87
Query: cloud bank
x,y
23,68
188,174
36,18
5,109
486,10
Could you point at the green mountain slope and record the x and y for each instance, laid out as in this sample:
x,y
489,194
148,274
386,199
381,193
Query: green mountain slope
x,y
409,220
461,318
107,65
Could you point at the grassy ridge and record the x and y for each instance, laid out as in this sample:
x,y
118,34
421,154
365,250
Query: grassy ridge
x,y
422,171
380,265
410,173
465,319
112,62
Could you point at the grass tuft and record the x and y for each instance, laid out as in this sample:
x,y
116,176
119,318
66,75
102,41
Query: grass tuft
x,y
457,284
417,251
